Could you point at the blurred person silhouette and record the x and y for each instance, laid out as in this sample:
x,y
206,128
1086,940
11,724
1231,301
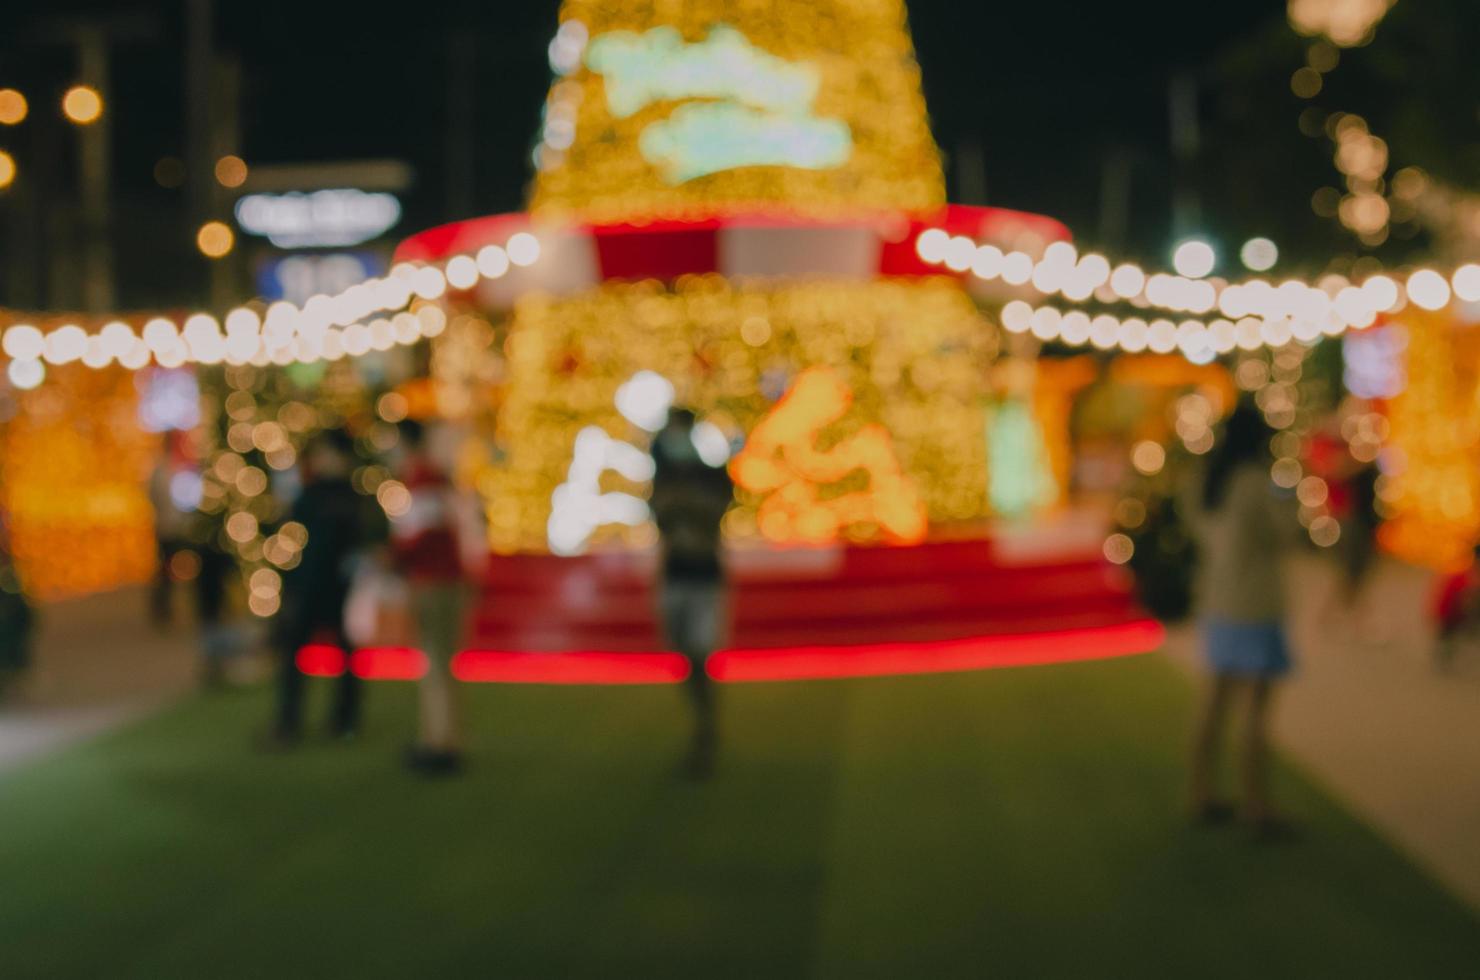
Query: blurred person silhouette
x,y
17,621
171,528
1242,525
218,640
1352,499
437,547
342,526
689,501
1356,510
1455,609
1354,504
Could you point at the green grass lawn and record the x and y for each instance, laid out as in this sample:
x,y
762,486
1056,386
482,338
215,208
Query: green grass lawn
x,y
1008,823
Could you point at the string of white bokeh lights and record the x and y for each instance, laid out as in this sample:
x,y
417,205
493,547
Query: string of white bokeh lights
x,y
1249,314
325,327
1224,316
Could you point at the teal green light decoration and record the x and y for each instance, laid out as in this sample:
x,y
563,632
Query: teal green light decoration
x,y
1018,474
307,375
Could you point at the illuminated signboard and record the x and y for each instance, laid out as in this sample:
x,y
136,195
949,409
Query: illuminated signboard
x,y
327,218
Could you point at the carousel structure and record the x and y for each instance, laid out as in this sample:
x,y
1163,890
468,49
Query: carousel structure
x,y
726,215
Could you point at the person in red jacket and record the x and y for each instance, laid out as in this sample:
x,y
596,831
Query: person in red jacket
x,y
431,549
1456,610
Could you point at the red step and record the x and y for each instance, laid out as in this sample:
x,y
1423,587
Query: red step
x,y
943,605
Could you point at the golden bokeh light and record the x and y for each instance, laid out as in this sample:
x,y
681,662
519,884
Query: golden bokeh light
x,y
231,171
7,170
1347,23
82,105
392,406
1306,83
1119,548
394,498
1148,457
13,107
215,239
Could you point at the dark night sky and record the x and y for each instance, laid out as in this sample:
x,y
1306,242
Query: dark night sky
x,y
1044,88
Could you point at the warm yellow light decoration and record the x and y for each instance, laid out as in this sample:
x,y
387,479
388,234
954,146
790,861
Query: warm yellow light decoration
x,y
592,162
1052,387
1306,83
82,105
1434,497
231,171
215,239
7,170
914,353
74,465
1255,312
1346,22
326,328
263,422
783,465
13,107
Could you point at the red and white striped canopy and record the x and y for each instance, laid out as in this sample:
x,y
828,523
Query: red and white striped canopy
x,y
754,246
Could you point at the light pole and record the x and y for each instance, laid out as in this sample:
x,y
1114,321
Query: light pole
x,y
83,105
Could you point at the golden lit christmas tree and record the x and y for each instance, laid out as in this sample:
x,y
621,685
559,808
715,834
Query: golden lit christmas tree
x,y
679,108
727,198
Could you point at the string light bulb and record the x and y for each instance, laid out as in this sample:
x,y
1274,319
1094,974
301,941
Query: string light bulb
x,y
83,105
13,107
1428,290
215,239
1194,259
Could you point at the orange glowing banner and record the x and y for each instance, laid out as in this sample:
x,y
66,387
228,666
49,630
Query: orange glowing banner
x,y
782,461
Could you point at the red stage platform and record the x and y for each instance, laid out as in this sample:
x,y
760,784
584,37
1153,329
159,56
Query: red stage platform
x,y
802,613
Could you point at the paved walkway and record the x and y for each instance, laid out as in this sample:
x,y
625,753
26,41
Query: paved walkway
x,y
1369,716
97,665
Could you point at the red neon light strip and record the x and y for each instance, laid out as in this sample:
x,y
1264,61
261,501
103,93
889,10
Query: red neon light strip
x,y
375,664
730,666
937,656
320,660
389,664
492,666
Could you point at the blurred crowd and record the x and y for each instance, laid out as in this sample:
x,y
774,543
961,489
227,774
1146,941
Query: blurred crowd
x,y
373,576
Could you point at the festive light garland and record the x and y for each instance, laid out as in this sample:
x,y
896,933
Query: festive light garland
x,y
325,328
330,327
254,433
1275,314
1346,22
